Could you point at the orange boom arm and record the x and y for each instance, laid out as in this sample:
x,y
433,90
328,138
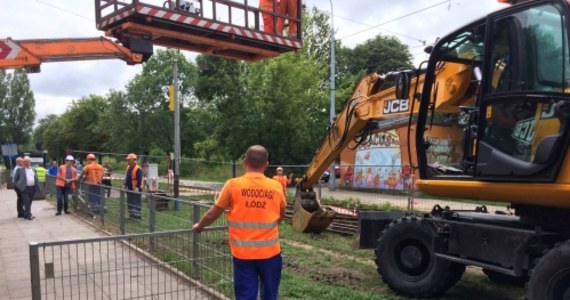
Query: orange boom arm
x,y
29,54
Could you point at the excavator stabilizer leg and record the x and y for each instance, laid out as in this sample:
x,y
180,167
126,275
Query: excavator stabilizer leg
x,y
308,215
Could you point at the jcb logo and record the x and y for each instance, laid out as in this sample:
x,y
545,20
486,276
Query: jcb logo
x,y
396,106
524,131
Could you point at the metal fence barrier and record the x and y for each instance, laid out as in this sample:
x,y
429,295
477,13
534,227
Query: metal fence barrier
x,y
176,264
155,256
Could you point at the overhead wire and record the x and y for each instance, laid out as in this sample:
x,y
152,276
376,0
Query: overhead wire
x,y
398,18
65,10
382,29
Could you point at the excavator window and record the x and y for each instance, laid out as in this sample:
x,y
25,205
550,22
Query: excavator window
x,y
512,121
523,119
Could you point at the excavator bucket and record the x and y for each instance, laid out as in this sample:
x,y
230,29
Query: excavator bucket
x,y
308,214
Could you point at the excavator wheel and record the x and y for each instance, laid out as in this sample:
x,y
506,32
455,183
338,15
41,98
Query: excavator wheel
x,y
308,214
550,278
407,264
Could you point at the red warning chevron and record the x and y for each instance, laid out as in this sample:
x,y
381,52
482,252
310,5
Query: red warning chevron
x,y
8,49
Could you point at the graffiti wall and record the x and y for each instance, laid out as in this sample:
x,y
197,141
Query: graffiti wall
x,y
377,164
383,162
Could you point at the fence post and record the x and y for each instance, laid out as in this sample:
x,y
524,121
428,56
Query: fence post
x,y
152,213
122,211
75,196
195,242
102,203
35,271
152,218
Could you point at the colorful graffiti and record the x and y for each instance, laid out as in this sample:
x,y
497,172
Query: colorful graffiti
x,y
377,164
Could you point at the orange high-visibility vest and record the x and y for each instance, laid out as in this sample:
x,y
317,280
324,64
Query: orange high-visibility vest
x,y
283,180
93,173
62,174
255,203
134,176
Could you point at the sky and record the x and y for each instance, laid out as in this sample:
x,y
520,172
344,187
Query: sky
x,y
416,23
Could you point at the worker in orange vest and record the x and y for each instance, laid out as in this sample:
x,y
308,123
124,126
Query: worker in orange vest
x,y
256,206
283,180
133,182
288,8
271,6
93,175
65,182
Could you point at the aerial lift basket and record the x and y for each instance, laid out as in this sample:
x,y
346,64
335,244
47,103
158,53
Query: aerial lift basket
x,y
308,214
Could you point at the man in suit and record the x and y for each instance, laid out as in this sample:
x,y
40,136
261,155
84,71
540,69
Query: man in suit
x,y
19,203
26,180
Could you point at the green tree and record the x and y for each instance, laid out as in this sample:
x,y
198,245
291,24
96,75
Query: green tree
x,y
78,125
51,139
222,90
17,106
43,124
381,55
116,123
145,105
289,107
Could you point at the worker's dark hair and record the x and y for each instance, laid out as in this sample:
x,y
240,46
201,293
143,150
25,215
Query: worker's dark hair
x,y
256,156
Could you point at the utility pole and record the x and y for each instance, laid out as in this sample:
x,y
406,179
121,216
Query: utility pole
x,y
176,138
332,178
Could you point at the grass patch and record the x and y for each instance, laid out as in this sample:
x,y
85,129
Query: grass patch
x,y
326,267
352,203
323,266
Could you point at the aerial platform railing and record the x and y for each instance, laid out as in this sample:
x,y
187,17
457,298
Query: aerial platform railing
x,y
227,28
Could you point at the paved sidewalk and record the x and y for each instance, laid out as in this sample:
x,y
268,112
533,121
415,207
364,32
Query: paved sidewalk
x,y
16,233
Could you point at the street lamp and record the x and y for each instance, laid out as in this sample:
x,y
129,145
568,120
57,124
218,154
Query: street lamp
x,y
332,183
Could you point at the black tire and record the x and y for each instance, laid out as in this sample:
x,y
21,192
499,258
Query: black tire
x,y
501,279
550,278
406,263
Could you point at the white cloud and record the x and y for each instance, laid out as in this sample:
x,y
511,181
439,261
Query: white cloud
x,y
60,83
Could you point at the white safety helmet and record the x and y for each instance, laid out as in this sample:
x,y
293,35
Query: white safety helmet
x,y
69,157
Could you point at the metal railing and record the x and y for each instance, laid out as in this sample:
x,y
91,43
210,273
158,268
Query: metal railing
x,y
158,258
161,265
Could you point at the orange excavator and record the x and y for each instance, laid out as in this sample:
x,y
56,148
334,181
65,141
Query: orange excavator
x,y
498,89
227,28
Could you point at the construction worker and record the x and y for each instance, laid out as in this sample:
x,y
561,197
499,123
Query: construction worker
x,y
283,180
93,176
256,206
133,182
107,178
41,172
19,200
288,8
270,6
65,182
52,171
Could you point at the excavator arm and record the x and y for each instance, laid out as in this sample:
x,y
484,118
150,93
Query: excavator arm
x,y
366,104
30,54
370,103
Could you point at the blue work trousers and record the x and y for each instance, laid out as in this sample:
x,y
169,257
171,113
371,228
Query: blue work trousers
x,y
134,205
94,196
249,274
62,200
